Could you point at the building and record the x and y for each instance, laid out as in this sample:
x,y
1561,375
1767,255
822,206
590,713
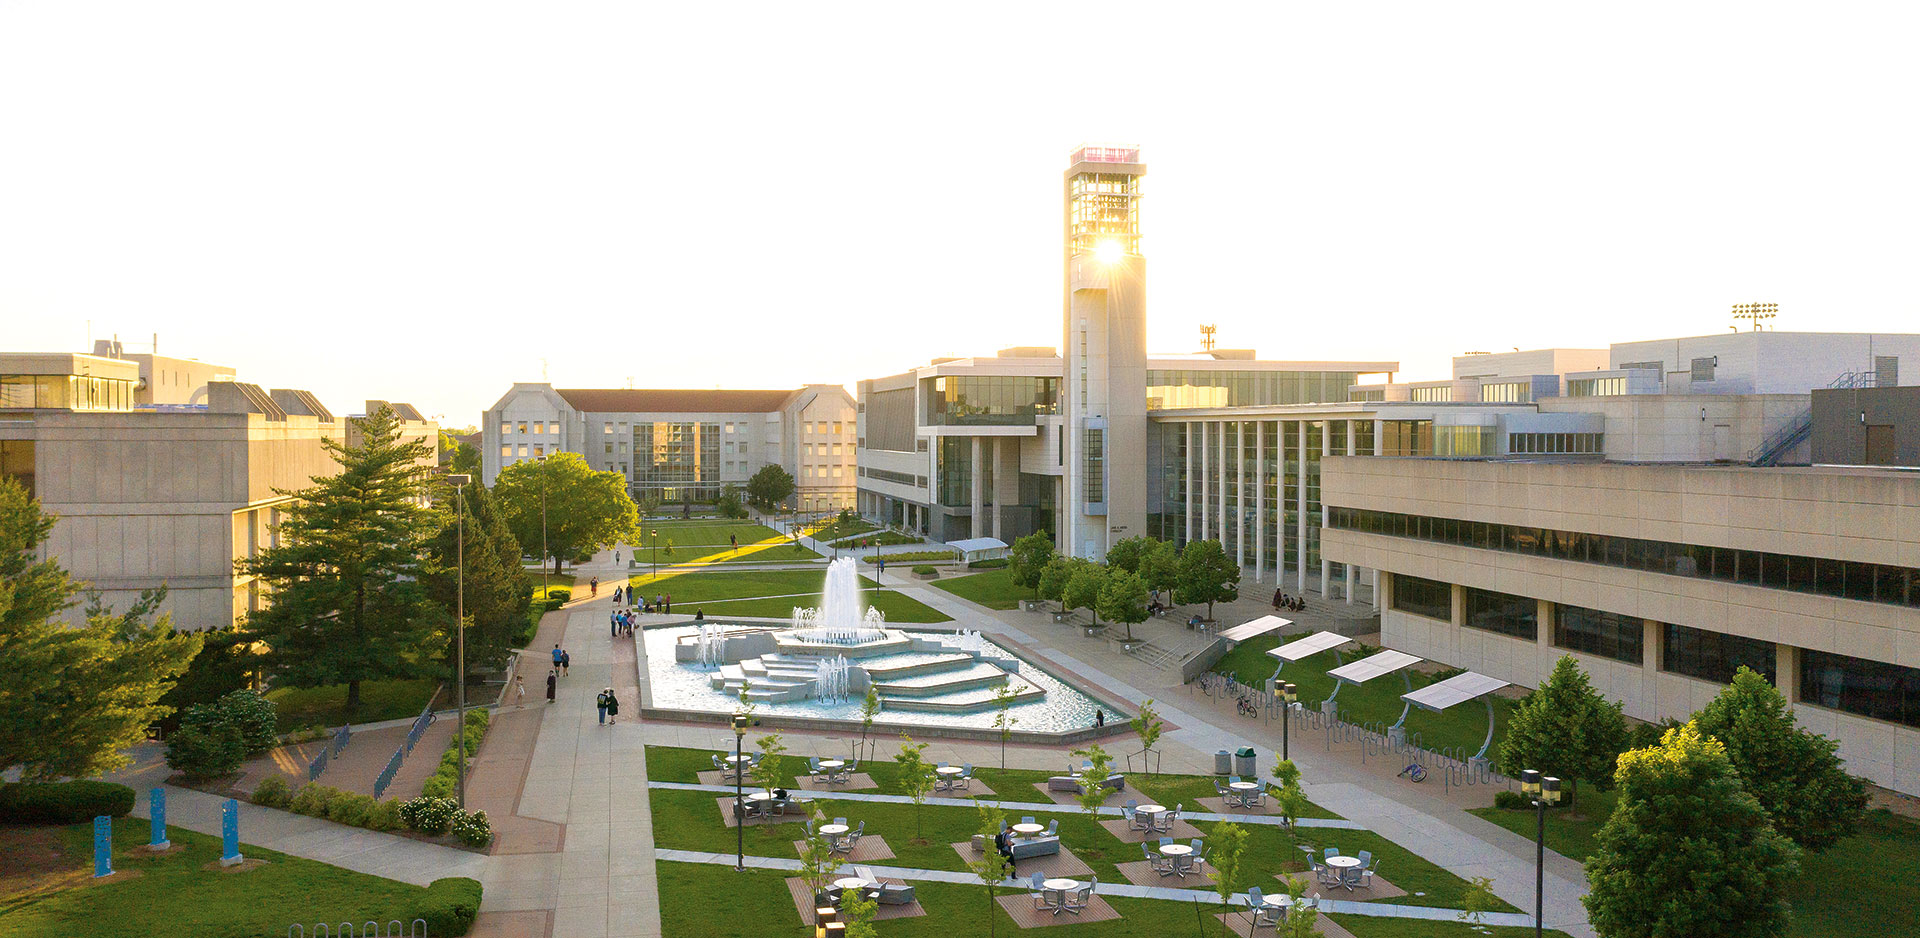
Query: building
x,y
170,492
683,445
165,380
1867,426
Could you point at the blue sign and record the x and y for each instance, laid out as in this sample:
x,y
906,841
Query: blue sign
x,y
157,810
230,832
102,846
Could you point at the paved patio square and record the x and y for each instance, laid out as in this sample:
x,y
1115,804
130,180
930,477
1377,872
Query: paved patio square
x,y
869,847
1114,799
1218,805
1053,865
1236,922
803,902
1380,889
1140,873
1020,907
1181,831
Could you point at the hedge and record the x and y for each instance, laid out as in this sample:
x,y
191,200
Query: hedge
x,y
445,778
63,802
450,905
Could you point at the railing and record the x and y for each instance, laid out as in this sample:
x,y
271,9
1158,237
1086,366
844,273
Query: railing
x,y
386,775
327,752
414,732
1200,660
1780,441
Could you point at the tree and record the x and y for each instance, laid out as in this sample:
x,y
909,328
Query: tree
x,y
1225,846
1565,729
818,861
729,504
1093,778
225,664
496,582
1055,576
1123,599
458,456
916,776
1126,553
586,511
1687,851
1083,590
73,699
349,601
992,866
1149,727
1003,720
770,487
859,910
1028,560
1207,575
1301,920
769,771
1479,900
214,738
1795,774
869,708
1160,569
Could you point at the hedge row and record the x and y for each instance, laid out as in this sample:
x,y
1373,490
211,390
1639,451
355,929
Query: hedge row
x,y
450,905
443,780
325,801
63,802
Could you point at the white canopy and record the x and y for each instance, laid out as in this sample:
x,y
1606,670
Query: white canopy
x,y
1309,646
979,548
1366,669
1457,689
1257,627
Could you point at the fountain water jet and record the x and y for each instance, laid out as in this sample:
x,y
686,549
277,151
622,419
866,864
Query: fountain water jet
x,y
840,620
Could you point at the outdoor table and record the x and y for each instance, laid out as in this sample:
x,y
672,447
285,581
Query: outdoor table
x,y
1153,812
1061,886
1344,865
833,832
851,882
1280,901
1242,789
947,774
1176,851
832,764
1027,830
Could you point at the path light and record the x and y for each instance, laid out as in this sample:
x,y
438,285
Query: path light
x,y
825,917
740,723
1544,792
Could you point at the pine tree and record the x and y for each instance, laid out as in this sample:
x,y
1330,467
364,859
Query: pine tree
x,y
496,584
1688,851
349,604
1796,775
1566,729
72,699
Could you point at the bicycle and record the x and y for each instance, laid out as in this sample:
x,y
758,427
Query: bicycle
x,y
1415,771
1246,706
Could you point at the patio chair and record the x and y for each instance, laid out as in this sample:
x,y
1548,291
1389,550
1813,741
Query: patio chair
x,y
853,836
840,821
1220,788
843,773
1368,864
1027,820
965,779
1330,853
1324,874
1232,778
1076,901
1263,914
1053,828
817,773
1191,862
1039,894
1156,861
726,771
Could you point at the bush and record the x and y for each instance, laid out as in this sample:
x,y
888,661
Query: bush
x,y
385,816
450,905
993,564
351,808
444,779
924,570
473,828
63,802
1445,674
313,798
205,750
429,815
272,792
1511,800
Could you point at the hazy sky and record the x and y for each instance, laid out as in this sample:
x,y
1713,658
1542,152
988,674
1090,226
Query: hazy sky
x,y
424,201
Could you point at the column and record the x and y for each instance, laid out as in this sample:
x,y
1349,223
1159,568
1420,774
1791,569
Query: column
x,y
1192,502
1379,437
1786,670
1239,493
1300,518
1543,641
1259,500
1220,484
999,483
1378,599
1206,469
1353,581
1326,449
978,485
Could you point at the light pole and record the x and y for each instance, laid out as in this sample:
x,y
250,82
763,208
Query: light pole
x,y
546,588
1545,793
460,633
739,802
654,538
1288,694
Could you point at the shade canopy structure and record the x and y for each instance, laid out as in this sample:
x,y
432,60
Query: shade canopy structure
x,y
1372,666
1458,690
979,548
1255,629
1305,648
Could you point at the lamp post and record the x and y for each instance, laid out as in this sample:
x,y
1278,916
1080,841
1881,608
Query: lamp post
x,y
546,588
1545,793
654,538
1288,694
739,801
460,634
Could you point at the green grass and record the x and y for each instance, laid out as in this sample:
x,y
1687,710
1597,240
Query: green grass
x,y
1377,701
842,527
704,533
1570,831
326,706
898,607
994,589
741,594
175,895
553,582
883,539
902,559
758,903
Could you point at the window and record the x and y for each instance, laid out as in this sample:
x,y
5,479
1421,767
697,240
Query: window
x,y
1094,466
730,428
1508,392
539,427
609,448
1520,444
1596,387
1607,634
1855,685
606,428
1505,613
1431,395
506,451
523,450
540,450
1423,597
1713,656
1406,438
523,428
1703,368
1464,441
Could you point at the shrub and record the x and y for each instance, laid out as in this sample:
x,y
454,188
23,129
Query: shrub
x,y
924,570
272,792
1511,800
1445,674
450,905
438,786
256,717
351,808
429,815
63,802
473,828
205,750
313,798
385,816
994,564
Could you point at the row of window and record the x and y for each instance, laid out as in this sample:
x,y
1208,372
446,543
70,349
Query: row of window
x,y
535,427
1520,444
65,392
1596,387
1846,579
898,478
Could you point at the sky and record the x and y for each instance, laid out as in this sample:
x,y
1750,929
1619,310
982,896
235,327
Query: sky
x,y
429,201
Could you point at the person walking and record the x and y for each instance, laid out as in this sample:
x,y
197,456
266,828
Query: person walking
x,y
1277,597
552,680
566,661
613,707
733,541
600,704
557,653
594,585
613,623
519,692
666,600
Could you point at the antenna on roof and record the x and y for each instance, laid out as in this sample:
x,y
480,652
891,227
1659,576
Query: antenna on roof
x,y
1206,337
1757,312
629,382
543,370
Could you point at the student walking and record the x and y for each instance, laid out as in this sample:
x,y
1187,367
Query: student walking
x,y
566,661
666,603
594,585
552,679
733,541
519,692
600,704
557,655
613,707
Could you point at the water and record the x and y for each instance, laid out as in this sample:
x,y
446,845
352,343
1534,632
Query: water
x,y
842,617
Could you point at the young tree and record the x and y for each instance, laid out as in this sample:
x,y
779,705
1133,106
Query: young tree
x,y
1301,920
729,504
770,487
1687,850
1126,553
992,866
1565,729
1478,900
916,776
1225,847
1207,575
1160,569
349,604
1795,774
1123,599
859,911
1029,559
1291,800
1149,727
1003,720
771,771
1054,579
496,582
818,861
586,510
1093,779
73,699
869,708
1083,591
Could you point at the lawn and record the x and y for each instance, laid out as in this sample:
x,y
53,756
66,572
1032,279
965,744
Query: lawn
x,y
1377,701
48,896
910,557
773,594
552,583
842,527
705,533
994,589
1570,830
326,706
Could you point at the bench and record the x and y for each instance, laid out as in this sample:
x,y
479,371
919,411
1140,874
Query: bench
x,y
1037,847
1114,782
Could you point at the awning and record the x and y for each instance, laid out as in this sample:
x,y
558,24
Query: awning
x,y
970,544
1257,627
1366,669
1309,646
1457,689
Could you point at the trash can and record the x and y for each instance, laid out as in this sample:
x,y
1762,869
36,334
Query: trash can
x,y
1243,763
1223,763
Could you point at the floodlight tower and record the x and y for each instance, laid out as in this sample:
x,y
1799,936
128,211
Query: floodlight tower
x,y
1104,325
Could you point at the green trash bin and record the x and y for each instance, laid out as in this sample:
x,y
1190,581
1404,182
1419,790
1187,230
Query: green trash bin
x,y
1244,763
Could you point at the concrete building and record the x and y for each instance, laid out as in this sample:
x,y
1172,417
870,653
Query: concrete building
x,y
683,444
169,492
165,380
1868,426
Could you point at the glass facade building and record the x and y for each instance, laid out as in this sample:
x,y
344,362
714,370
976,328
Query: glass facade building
x,y
989,400
1193,387
676,458
65,392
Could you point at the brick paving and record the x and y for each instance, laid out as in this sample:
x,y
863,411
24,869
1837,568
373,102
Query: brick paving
x,y
1020,908
803,901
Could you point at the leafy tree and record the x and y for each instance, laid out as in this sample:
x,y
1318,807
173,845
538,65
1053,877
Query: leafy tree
x,y
1055,576
992,866
869,708
859,911
916,776
1093,778
1149,727
1795,774
1565,728
1207,575
214,738
1003,720
770,487
1291,800
1478,900
1160,569
350,603
1301,921
1123,599
818,861
496,582
729,504
1688,851
225,664
770,771
458,456
1226,844
586,511
73,699
1126,553
1028,560
1083,591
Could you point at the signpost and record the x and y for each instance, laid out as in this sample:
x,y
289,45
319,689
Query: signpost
x,y
102,846
230,833
157,810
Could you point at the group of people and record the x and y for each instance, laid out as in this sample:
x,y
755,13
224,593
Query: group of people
x,y
620,621
608,705
1289,603
662,603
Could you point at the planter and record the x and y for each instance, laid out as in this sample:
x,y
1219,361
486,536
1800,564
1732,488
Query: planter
x,y
1033,605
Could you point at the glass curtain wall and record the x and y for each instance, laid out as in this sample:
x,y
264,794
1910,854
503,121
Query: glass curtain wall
x,y
990,400
1229,457
1167,455
1193,387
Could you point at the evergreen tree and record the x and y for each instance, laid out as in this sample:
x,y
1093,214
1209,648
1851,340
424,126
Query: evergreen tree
x,y
349,601
585,510
1687,851
1207,575
1123,599
1566,729
1795,774
497,585
72,699
771,486
1029,559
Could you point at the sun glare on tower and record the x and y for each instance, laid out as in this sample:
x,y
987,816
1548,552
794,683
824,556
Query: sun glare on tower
x,y
1109,251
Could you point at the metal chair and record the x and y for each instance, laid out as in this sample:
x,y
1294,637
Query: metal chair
x,y
1053,828
817,773
1156,861
853,836
1076,901
1368,864
1039,893
1263,914
965,780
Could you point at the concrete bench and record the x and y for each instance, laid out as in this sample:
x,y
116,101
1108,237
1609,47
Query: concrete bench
x,y
1037,847
1114,782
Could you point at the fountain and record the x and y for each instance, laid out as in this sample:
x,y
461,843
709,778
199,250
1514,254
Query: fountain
x,y
839,619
